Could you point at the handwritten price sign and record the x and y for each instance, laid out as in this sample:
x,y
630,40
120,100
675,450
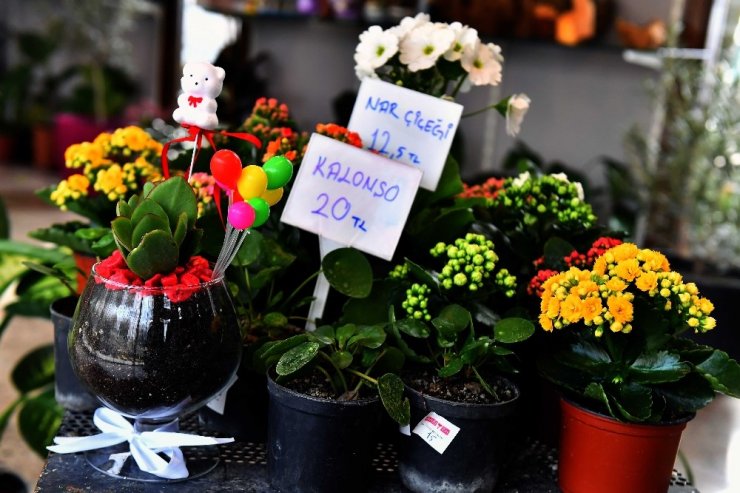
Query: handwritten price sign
x,y
406,126
351,196
436,431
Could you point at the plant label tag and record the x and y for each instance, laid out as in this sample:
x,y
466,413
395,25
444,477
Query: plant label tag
x,y
436,431
351,196
218,403
405,430
406,125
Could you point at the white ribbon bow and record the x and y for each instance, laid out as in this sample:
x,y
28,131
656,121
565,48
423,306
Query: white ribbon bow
x,y
144,447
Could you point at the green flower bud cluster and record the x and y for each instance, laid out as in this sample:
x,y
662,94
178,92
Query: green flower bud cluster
x,y
470,262
417,301
506,282
539,199
399,272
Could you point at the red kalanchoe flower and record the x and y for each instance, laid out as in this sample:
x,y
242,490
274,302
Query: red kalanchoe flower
x,y
339,133
535,285
488,189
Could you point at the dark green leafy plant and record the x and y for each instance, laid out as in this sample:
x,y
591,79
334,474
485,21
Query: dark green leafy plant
x,y
157,232
441,317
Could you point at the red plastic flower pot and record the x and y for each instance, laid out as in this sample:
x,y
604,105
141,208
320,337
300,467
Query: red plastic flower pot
x,y
601,454
84,265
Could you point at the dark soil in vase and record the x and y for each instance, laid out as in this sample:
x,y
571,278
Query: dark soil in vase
x,y
472,461
148,357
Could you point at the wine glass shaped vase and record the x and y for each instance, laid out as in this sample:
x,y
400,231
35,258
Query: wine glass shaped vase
x,y
154,355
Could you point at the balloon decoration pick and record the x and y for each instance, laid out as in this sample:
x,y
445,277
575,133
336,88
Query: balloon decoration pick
x,y
201,84
252,190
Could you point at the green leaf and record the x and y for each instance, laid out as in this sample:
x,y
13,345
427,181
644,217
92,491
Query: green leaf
x,y
342,359
452,319
324,334
64,235
181,229
484,315
513,329
123,209
104,246
421,275
39,420
34,370
390,390
148,206
413,327
474,350
596,391
391,361
370,310
584,355
123,232
658,368
402,345
31,251
501,351
270,352
722,372
157,252
688,395
452,367
450,183
349,272
175,195
369,336
251,249
146,224
296,358
633,401
7,413
343,333
4,222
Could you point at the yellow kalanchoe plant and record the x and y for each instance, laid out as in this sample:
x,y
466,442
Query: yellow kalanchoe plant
x,y
623,354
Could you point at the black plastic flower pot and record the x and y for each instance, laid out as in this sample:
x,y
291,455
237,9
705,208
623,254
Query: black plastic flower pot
x,y
472,461
319,445
245,409
68,390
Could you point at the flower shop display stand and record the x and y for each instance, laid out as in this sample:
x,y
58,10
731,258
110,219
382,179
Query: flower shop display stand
x,y
243,468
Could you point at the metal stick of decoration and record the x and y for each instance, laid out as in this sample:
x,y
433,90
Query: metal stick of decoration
x,y
252,190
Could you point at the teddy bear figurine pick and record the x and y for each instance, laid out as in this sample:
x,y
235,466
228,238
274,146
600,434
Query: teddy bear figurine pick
x,y
201,84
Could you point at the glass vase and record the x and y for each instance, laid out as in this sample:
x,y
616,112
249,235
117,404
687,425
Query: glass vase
x,y
154,354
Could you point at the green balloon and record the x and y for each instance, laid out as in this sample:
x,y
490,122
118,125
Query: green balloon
x,y
261,211
279,170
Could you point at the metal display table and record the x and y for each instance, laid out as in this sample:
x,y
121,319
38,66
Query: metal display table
x,y
533,469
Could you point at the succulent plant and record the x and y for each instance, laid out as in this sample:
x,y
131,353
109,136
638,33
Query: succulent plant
x,y
157,232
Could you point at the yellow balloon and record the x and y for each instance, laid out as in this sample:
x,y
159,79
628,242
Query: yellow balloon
x,y
252,182
272,197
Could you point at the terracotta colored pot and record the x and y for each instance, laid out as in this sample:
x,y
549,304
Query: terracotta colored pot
x,y
601,454
84,265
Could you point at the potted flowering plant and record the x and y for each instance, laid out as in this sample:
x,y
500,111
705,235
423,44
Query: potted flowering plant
x,y
624,368
112,167
443,319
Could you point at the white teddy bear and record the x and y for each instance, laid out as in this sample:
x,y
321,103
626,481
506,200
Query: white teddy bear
x,y
201,83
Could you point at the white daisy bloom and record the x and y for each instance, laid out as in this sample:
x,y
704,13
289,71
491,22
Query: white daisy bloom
x,y
364,71
408,24
376,47
515,111
483,64
465,38
520,180
421,47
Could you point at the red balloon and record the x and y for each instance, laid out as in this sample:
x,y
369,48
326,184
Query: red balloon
x,y
226,168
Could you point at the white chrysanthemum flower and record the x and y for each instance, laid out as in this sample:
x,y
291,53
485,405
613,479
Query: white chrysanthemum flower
x,y
408,24
516,109
520,180
483,64
376,47
560,177
421,47
579,190
465,38
364,71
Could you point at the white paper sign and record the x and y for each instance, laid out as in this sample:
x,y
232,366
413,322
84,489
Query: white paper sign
x,y
351,196
407,126
436,431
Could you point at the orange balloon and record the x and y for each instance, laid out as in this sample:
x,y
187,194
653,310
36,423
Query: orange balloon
x,y
272,197
252,182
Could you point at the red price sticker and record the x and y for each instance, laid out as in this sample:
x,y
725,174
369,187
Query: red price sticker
x,y
436,431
